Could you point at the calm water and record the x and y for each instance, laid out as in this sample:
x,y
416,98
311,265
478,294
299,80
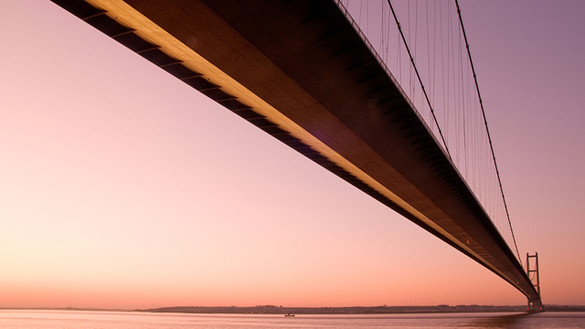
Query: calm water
x,y
128,320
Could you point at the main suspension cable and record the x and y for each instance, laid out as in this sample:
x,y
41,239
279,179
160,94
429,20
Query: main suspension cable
x,y
419,79
486,129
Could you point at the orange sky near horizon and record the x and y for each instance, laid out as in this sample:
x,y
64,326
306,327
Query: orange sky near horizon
x,y
121,187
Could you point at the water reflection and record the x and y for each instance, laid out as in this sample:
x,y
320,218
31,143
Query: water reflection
x,y
501,321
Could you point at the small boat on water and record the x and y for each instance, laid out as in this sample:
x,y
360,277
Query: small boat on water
x,y
289,315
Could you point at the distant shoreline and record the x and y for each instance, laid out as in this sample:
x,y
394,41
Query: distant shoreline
x,y
273,309
281,310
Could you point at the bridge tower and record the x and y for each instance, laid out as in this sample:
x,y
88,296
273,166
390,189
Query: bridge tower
x,y
534,305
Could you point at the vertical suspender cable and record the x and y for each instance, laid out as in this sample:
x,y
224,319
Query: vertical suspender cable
x,y
487,130
419,80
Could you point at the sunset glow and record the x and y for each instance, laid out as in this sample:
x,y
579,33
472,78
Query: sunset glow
x,y
121,187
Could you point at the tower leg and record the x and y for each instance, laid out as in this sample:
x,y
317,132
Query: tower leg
x,y
534,305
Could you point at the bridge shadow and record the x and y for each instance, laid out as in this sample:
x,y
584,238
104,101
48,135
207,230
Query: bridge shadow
x,y
503,321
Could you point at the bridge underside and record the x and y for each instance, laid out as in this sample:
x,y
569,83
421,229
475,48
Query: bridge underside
x,y
299,71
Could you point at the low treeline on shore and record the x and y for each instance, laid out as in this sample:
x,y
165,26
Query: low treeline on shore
x,y
273,309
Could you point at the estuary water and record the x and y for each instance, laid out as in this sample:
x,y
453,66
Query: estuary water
x,y
37,319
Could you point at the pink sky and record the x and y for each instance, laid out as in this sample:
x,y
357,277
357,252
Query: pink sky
x,y
121,187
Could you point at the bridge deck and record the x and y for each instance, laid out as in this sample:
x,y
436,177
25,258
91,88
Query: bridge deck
x,y
298,70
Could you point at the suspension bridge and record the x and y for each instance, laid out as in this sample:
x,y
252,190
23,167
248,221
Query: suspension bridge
x,y
385,97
